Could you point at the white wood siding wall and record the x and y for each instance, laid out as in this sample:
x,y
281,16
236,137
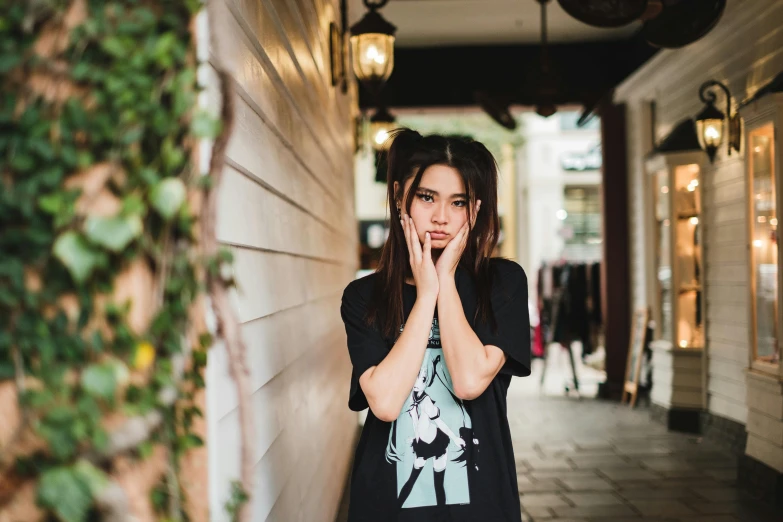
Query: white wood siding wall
x,y
287,212
744,51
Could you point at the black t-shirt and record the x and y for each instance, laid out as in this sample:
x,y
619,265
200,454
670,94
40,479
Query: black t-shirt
x,y
443,459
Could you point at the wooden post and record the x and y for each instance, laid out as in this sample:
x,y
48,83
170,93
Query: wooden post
x,y
615,276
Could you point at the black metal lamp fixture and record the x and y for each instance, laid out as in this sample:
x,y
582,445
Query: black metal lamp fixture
x,y
710,128
372,43
381,124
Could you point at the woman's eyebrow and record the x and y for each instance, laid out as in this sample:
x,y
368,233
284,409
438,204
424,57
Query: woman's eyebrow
x,y
435,192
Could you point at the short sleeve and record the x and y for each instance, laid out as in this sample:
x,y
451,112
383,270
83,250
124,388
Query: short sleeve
x,y
510,308
366,345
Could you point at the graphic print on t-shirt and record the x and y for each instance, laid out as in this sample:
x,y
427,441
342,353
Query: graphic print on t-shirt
x,y
431,440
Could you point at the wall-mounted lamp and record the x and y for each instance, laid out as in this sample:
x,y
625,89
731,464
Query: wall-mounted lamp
x,y
381,124
709,122
372,43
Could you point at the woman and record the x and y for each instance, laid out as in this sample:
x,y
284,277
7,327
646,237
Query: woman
x,y
440,315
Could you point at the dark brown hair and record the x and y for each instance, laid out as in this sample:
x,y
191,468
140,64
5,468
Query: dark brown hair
x,y
408,157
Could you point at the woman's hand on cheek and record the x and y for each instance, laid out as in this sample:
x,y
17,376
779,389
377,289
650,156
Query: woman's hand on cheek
x,y
420,258
449,258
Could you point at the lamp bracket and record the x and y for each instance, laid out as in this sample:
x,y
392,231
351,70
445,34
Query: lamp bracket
x,y
708,96
734,126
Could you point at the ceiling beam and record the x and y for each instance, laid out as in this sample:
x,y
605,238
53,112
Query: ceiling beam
x,y
448,76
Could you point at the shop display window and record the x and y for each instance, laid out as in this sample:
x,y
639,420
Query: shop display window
x,y
679,271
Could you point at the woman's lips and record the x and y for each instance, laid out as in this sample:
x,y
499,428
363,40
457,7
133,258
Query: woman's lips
x,y
438,235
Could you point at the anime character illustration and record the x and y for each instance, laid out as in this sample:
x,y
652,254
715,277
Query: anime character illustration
x,y
432,424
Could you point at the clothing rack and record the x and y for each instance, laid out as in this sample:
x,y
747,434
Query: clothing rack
x,y
569,309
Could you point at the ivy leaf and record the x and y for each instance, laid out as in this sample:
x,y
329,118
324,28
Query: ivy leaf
x,y
114,47
100,380
61,491
145,449
167,197
51,203
90,476
205,126
22,162
189,441
76,254
114,233
8,62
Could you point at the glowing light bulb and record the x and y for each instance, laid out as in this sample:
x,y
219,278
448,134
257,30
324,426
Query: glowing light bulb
x,y
773,222
757,243
694,221
381,136
712,133
665,190
683,343
562,214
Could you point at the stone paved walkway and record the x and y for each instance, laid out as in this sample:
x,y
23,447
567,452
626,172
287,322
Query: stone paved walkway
x,y
587,460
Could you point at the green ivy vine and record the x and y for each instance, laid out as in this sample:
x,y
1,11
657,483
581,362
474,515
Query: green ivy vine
x,y
129,69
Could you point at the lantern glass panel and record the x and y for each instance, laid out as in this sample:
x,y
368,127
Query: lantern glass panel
x,y
373,56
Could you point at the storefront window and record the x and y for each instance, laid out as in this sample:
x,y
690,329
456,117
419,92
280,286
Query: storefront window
x,y
688,255
583,214
764,245
664,267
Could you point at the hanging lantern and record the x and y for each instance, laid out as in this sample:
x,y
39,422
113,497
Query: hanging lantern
x,y
381,124
710,122
372,44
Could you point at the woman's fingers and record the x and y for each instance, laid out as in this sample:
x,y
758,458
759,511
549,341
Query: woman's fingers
x,y
417,254
427,252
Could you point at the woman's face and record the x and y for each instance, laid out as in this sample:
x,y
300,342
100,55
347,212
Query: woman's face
x,y
439,206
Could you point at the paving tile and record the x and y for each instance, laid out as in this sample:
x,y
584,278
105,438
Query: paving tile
x,y
668,463
723,494
715,508
718,518
647,493
595,512
543,500
670,508
618,475
591,462
722,475
543,486
587,484
593,499
566,474
538,512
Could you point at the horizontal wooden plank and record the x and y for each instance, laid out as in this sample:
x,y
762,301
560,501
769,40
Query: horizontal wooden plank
x,y
766,427
729,313
270,282
733,233
728,353
726,273
727,387
728,407
250,215
735,295
727,212
766,452
728,333
768,403
732,192
258,82
271,25
727,369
